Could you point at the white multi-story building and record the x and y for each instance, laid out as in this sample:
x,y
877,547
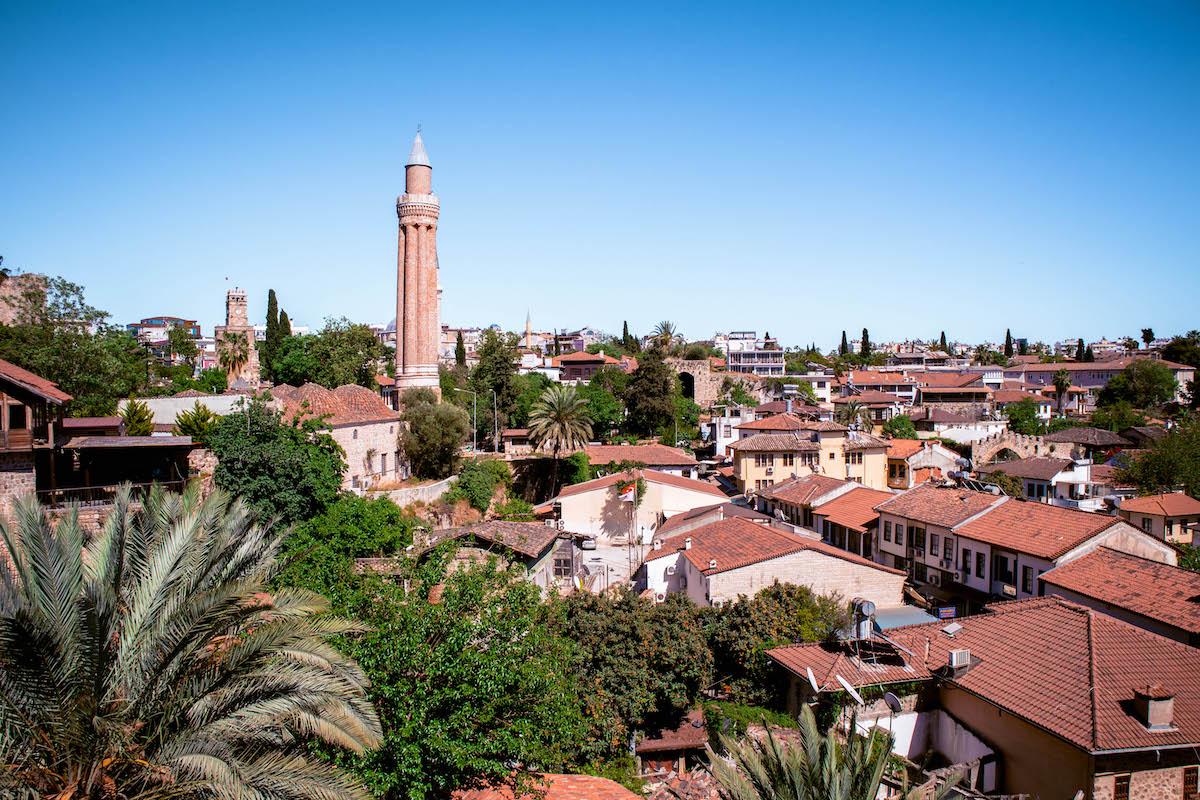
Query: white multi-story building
x,y
745,352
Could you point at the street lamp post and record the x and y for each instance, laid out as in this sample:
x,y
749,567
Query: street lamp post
x,y
495,424
474,421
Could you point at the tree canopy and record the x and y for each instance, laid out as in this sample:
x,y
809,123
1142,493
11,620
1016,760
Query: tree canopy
x,y
433,434
1142,384
1169,463
650,395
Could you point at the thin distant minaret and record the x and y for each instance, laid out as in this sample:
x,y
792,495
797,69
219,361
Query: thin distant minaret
x,y
528,331
417,321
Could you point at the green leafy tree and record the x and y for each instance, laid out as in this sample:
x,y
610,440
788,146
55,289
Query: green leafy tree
x,y
156,661
233,351
181,344
650,395
57,335
664,334
356,527
641,665
1008,344
295,363
138,418
287,470
496,372
1023,417
1170,463
740,633
1147,336
900,427
530,389
1184,349
478,482
346,353
1116,416
433,434
198,422
578,468
1008,484
460,351
604,408
854,414
210,381
560,421
1142,384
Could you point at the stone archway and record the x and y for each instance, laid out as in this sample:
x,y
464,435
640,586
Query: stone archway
x,y
1012,445
704,383
688,381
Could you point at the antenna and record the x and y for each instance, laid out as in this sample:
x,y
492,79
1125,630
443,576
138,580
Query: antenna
x,y
850,690
892,701
812,680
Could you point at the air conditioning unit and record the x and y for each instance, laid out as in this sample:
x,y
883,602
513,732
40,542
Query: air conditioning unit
x,y
671,570
960,659
562,525
934,578
770,470
1009,590
551,523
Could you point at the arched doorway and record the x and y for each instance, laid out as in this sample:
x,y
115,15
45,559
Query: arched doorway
x,y
688,381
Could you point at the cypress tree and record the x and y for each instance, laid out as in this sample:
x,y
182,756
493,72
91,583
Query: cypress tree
x,y
945,348
1079,351
460,351
270,345
285,325
625,335
1088,355
1008,347
865,349
844,347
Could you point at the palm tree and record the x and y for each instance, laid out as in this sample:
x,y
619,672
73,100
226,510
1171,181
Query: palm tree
x,y
816,768
560,420
1062,382
664,333
233,353
154,661
854,414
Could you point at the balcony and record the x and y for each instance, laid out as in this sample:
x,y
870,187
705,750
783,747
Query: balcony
x,y
17,440
90,496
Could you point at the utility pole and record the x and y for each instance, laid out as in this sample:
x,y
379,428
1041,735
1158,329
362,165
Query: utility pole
x,y
474,420
495,424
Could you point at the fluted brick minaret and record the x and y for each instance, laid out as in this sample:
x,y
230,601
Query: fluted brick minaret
x,y
417,323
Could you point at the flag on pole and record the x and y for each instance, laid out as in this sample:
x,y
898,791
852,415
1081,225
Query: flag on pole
x,y
627,492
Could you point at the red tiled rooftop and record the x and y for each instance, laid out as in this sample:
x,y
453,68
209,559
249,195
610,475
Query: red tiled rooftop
x,y
1170,504
1038,468
904,448
652,455
1038,529
855,509
648,475
775,443
1160,592
345,405
46,389
789,422
1059,666
689,734
936,505
804,490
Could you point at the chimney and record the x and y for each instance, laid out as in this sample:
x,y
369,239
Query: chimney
x,y
1155,707
789,405
712,563
658,544
687,543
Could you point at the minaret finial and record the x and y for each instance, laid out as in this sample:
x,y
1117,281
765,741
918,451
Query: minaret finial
x,y
417,156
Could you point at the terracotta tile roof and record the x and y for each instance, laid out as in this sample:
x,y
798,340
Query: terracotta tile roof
x,y
938,415
385,380
1015,396
1091,437
648,475
735,543
871,398
45,389
857,440
863,377
855,509
955,389
947,380
1059,666
775,443
781,407
652,455
190,393
584,357
1038,468
529,539
804,490
789,422
1170,504
1038,529
554,787
721,510
1106,474
513,433
1157,591
936,505
1113,364
345,405
689,734
904,448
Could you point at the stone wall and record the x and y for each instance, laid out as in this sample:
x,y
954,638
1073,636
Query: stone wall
x,y
985,450
408,495
706,384
824,573
17,479
202,467
371,453
1150,784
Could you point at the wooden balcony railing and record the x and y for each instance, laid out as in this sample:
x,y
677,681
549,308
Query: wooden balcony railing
x,y
17,439
100,495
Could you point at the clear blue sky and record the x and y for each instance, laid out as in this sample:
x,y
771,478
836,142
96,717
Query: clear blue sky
x,y
797,168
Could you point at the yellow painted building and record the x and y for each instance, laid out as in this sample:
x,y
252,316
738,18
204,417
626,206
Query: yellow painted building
x,y
762,459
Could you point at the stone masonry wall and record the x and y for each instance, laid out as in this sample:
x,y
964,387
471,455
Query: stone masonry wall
x,y
825,574
1151,784
17,479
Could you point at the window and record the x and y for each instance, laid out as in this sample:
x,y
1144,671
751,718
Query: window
x,y
763,459
948,548
1121,787
853,458
383,462
1027,580
916,536
1169,529
1146,524
899,533
1191,782
920,572
933,544
726,431
966,562
789,459
980,562
825,528
562,567
887,531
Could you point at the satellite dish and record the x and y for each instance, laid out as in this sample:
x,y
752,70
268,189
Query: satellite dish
x,y
850,690
812,680
892,701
